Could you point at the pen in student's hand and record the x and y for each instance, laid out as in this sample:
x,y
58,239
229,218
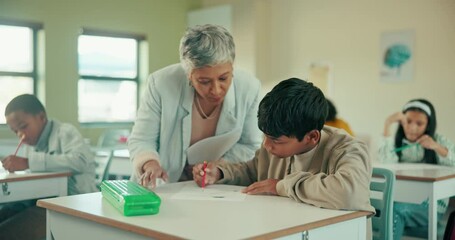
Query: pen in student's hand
x,y
404,147
204,167
19,145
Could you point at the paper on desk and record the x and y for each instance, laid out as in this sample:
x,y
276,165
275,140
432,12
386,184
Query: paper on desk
x,y
4,173
215,192
212,148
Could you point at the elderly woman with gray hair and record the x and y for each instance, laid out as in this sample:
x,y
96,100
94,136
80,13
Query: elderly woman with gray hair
x,y
199,110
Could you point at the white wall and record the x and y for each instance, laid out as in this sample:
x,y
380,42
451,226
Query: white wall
x,y
347,35
220,15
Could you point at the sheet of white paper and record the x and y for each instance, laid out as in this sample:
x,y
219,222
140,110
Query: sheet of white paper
x,y
215,192
212,148
4,173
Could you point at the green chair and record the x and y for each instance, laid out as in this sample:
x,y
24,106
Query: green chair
x,y
381,189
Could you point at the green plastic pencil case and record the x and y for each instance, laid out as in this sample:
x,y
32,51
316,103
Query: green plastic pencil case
x,y
130,198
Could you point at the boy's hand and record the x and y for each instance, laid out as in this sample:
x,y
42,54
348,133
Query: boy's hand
x,y
267,187
14,163
212,173
152,171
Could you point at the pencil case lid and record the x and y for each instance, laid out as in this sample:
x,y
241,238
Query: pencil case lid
x,y
130,198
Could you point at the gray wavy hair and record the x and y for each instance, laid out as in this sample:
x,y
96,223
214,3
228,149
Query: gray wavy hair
x,y
206,45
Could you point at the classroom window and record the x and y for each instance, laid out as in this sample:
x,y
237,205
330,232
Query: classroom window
x,y
18,54
108,70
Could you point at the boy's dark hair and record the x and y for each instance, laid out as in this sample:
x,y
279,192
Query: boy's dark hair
x,y
332,111
25,102
293,108
429,155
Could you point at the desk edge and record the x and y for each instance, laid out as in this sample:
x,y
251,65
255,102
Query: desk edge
x,y
156,234
27,177
314,225
105,221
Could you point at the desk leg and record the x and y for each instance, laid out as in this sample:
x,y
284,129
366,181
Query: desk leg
x,y
432,215
48,226
63,188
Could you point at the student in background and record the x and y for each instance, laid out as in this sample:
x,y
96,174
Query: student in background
x,y
300,158
187,107
333,121
415,141
50,146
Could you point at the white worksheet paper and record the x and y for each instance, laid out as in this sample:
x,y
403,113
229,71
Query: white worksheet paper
x,y
215,192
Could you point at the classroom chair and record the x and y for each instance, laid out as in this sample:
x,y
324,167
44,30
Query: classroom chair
x,y
103,161
114,138
381,189
422,233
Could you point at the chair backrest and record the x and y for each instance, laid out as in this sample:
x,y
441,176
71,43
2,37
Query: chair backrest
x,y
103,162
113,138
381,189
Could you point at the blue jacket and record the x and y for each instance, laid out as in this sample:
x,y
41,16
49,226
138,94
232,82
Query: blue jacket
x,y
162,129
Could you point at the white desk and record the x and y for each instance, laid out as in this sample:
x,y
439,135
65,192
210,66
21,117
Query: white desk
x,y
121,164
417,182
89,216
23,185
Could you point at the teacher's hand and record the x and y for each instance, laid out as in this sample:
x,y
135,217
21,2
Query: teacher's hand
x,y
152,171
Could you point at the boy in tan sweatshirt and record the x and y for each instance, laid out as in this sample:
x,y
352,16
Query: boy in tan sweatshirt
x,y
300,158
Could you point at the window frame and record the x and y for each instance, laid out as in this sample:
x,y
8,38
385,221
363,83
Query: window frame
x,y
102,33
35,28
